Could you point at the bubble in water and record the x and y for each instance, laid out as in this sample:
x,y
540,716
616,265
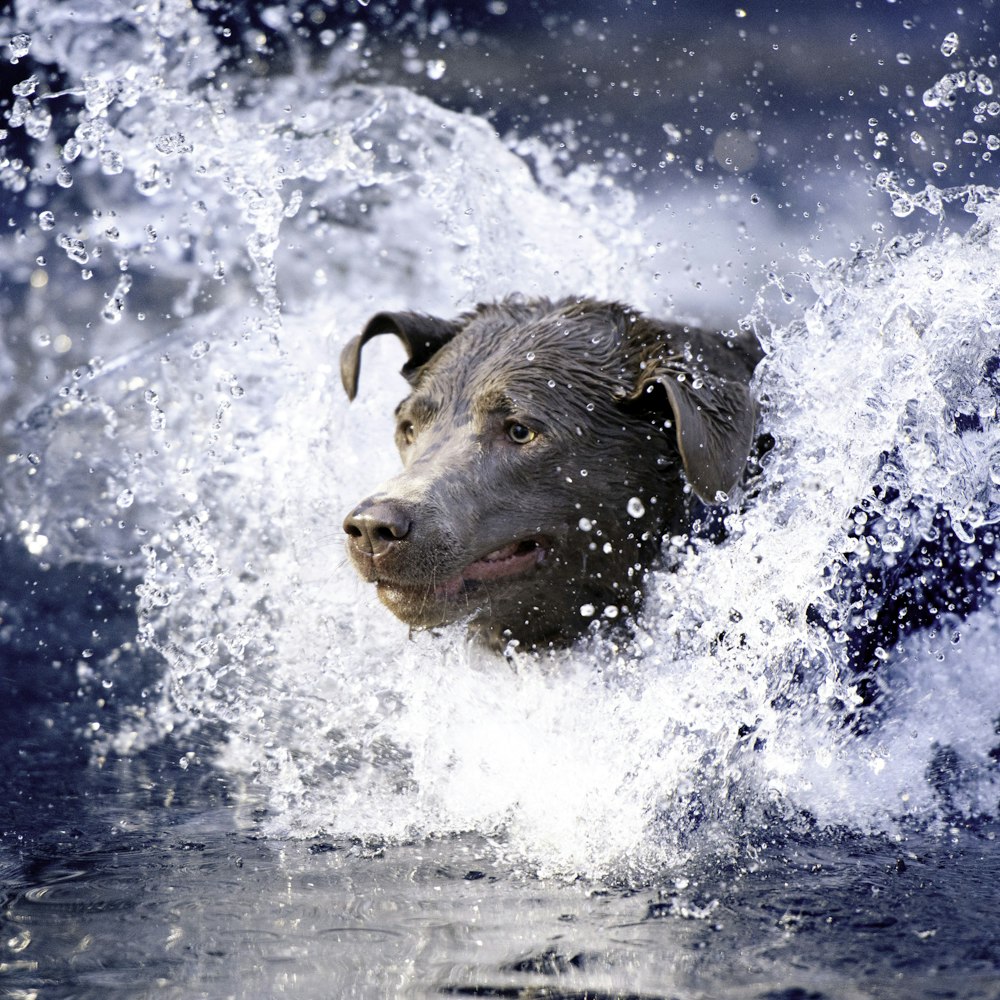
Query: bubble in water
x,y
950,44
436,68
585,524
46,220
125,499
587,610
635,507
903,58
611,611
200,349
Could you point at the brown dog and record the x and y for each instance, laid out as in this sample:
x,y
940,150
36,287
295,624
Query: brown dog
x,y
543,446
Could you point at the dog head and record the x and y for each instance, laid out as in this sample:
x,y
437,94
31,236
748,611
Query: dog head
x,y
543,445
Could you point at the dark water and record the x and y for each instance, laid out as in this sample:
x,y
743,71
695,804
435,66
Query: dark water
x,y
148,880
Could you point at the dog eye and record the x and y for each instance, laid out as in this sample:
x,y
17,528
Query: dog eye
x,y
407,432
520,434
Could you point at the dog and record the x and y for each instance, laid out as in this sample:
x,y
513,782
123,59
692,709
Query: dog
x,y
548,448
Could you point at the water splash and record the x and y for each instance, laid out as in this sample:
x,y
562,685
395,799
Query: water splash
x,y
257,231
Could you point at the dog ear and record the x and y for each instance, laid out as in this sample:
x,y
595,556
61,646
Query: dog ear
x,y
705,378
422,336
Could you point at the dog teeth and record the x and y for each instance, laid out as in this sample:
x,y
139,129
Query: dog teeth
x,y
509,551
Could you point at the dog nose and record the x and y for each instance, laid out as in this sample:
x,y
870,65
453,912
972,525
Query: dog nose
x,y
373,527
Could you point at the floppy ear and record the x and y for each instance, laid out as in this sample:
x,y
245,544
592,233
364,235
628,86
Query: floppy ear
x,y
422,336
705,378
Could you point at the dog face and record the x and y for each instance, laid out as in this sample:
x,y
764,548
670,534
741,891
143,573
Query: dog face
x,y
543,445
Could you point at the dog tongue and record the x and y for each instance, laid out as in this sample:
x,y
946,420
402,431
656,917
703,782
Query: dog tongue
x,y
503,561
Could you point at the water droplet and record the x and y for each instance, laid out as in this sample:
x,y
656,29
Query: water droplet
x,y
75,248
635,507
112,161
172,144
950,44
902,207
892,542
19,45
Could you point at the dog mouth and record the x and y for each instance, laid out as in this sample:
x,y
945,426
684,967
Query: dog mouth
x,y
511,560
515,559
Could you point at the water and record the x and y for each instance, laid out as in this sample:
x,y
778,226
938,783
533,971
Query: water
x,y
225,754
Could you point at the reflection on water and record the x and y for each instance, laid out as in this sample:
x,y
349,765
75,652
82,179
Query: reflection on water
x,y
153,880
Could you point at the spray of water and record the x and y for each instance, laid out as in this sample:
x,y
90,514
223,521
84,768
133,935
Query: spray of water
x,y
257,229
